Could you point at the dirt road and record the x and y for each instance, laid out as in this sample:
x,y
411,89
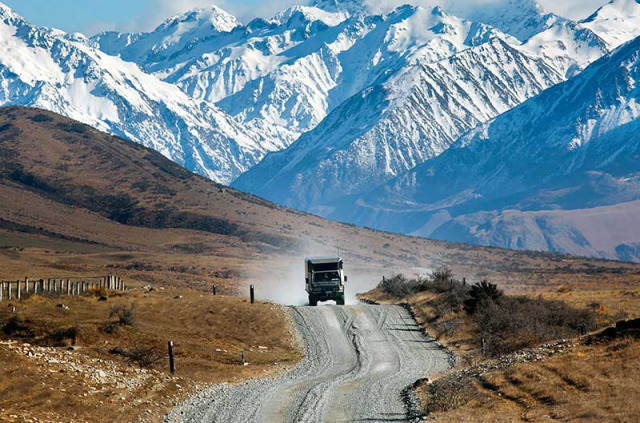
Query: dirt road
x,y
358,361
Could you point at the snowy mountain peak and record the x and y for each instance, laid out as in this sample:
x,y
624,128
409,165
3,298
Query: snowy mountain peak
x,y
520,18
616,22
352,7
307,14
8,15
211,17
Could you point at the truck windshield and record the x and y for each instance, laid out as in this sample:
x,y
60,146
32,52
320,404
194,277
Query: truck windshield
x,y
325,267
327,277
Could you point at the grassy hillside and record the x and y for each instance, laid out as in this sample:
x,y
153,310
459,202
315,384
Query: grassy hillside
x,y
77,201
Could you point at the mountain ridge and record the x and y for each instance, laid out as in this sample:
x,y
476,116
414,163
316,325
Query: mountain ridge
x,y
579,145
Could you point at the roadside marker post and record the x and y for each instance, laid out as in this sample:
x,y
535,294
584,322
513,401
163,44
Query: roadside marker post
x,y
172,363
252,294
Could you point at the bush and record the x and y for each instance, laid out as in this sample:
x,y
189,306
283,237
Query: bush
x,y
514,323
18,327
451,392
506,323
480,295
99,291
62,337
144,356
399,286
124,315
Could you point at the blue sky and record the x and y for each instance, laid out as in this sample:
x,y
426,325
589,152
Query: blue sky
x,y
91,16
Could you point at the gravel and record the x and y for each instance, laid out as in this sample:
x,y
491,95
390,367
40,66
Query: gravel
x,y
359,361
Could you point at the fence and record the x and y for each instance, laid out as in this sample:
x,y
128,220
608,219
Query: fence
x,y
17,290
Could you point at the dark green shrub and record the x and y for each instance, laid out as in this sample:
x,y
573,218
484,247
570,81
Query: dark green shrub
x,y
480,295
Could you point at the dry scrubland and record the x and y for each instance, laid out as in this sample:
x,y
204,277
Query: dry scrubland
x,y
117,365
77,202
544,357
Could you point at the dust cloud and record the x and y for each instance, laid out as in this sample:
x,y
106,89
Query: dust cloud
x,y
281,280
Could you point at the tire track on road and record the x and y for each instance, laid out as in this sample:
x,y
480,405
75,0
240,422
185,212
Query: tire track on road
x,y
358,360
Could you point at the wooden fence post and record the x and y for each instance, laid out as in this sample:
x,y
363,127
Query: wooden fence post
x,y
9,290
214,289
68,286
26,285
242,358
172,363
252,294
18,290
1,290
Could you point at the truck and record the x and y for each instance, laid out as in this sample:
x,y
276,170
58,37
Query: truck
x,y
325,279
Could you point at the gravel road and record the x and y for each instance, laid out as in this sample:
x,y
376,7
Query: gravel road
x,y
358,361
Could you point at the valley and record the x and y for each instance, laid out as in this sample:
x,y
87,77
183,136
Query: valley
x,y
475,167
79,202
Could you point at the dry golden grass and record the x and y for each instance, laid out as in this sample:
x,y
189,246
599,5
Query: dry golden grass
x,y
598,383
595,383
208,333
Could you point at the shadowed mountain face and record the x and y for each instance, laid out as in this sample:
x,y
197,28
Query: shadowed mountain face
x,y
560,172
68,188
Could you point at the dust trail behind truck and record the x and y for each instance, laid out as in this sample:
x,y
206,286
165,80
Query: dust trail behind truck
x,y
324,279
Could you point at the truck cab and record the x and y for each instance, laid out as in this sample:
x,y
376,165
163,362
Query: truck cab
x,y
324,279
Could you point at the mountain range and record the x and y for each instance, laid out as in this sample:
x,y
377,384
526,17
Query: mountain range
x,y
330,107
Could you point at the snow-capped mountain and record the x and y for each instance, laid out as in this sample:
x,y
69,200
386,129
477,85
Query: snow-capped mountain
x,y
341,100
49,69
392,127
176,36
417,112
521,18
353,56
616,22
560,172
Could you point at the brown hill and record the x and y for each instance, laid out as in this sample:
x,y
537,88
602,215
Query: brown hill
x,y
76,201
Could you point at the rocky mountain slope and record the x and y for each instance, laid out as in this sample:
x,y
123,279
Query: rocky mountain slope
x,y
616,22
46,68
330,169
416,113
559,173
390,128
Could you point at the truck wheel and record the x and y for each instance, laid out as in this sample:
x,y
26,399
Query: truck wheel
x,y
313,301
340,300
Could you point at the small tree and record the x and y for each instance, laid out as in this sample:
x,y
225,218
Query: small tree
x,y
145,356
481,294
124,315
